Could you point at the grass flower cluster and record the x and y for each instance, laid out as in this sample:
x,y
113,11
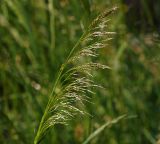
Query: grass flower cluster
x,y
74,78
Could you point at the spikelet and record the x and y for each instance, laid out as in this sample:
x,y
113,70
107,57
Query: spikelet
x,y
74,78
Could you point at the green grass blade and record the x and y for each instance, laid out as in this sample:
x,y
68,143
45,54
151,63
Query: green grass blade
x,y
99,130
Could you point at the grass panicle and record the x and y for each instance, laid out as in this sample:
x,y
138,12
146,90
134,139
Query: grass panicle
x,y
74,78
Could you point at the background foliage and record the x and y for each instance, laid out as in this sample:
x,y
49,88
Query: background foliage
x,y
35,39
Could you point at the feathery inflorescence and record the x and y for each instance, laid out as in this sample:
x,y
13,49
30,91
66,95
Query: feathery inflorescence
x,y
74,78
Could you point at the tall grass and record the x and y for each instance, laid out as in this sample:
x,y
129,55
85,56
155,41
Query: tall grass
x,y
73,80
37,37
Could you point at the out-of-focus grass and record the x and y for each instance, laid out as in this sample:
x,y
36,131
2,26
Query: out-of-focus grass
x,y
30,58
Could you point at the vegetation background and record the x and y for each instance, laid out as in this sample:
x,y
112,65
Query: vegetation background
x,y
35,39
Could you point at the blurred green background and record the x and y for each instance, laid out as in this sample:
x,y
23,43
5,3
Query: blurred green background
x,y
35,40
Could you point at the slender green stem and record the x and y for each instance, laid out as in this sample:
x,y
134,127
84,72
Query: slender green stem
x,y
52,24
52,46
76,45
51,98
38,134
